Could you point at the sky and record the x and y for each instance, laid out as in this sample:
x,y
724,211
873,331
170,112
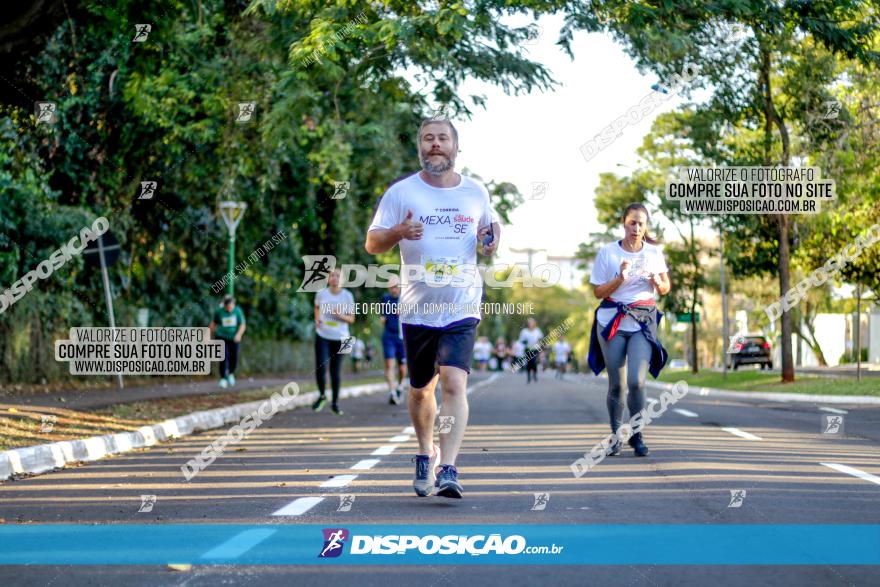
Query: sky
x,y
536,137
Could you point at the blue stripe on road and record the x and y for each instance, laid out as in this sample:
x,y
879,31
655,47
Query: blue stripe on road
x,y
660,544
239,544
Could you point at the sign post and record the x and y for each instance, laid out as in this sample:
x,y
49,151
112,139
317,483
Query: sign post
x,y
105,252
232,213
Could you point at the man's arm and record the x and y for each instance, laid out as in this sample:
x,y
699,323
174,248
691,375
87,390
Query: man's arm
x,y
381,240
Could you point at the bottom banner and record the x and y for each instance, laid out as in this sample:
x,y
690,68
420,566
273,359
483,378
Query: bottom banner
x,y
285,544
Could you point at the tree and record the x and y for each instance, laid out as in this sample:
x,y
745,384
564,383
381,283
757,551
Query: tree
x,y
741,69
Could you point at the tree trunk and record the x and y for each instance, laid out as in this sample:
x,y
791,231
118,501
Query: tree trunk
x,y
771,118
695,367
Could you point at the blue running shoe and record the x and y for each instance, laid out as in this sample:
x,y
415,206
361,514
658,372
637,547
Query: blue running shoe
x,y
447,482
426,475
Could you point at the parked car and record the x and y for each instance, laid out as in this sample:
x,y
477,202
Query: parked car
x,y
751,349
677,364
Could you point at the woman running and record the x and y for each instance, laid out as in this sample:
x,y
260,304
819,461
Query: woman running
x,y
334,311
627,275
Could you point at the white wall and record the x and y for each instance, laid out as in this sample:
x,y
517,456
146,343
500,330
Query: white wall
x,y
831,334
874,336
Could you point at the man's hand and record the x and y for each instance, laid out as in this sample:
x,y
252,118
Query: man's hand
x,y
410,229
493,244
237,338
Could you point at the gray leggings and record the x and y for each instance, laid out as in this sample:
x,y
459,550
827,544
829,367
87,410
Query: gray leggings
x,y
633,350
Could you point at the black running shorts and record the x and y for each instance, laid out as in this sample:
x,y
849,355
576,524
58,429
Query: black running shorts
x,y
428,348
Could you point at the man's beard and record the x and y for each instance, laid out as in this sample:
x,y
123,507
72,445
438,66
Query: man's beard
x,y
437,168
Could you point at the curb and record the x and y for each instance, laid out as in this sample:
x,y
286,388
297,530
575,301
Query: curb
x,y
41,458
776,397
867,400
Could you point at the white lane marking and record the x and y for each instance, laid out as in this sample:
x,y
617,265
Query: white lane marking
x,y
409,430
365,464
742,434
687,413
833,410
399,438
384,450
476,386
338,481
239,544
298,506
854,472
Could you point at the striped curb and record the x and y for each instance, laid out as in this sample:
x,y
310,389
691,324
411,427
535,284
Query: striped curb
x,y
33,460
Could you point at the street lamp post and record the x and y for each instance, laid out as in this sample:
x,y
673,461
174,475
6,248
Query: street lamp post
x,y
232,213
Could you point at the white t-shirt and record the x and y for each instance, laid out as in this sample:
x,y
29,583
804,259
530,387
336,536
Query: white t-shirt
x,y
482,350
452,218
517,349
332,328
561,351
637,287
358,350
531,338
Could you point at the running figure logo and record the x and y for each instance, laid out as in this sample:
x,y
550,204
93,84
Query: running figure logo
x,y
317,272
147,503
737,496
341,189
143,30
533,35
45,112
541,500
346,346
736,339
441,113
148,190
539,190
832,109
345,502
445,426
334,541
48,423
245,111
832,424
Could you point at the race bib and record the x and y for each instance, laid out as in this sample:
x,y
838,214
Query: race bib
x,y
228,322
440,269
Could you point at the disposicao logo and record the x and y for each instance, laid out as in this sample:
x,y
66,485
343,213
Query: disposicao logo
x,y
334,541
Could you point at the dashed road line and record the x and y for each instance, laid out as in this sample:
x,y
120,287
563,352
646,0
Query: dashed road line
x,y
742,434
338,481
853,471
686,413
298,506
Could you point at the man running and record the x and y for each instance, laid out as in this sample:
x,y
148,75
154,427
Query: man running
x,y
437,216
228,324
392,341
561,352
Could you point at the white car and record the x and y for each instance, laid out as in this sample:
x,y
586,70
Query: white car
x,y
677,364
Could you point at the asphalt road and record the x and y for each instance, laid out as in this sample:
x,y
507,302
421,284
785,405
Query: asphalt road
x,y
521,440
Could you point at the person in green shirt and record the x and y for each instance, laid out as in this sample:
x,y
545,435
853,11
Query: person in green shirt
x,y
228,325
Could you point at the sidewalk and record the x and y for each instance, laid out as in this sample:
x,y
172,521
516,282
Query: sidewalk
x,y
80,399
